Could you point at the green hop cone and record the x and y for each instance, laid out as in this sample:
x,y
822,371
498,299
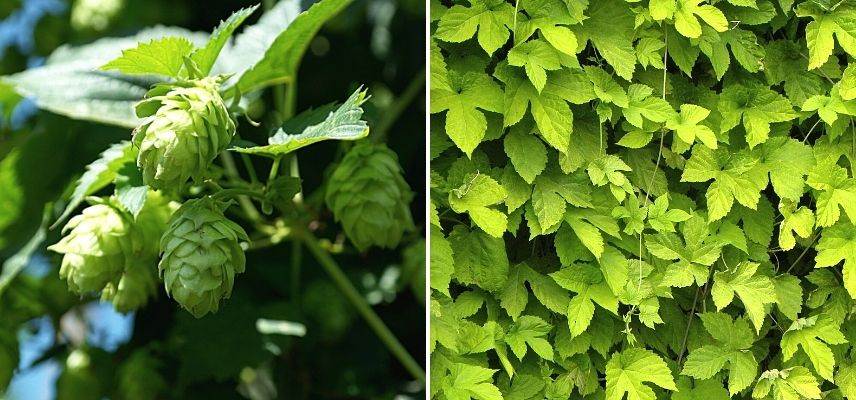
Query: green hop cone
x,y
133,288
186,125
370,198
201,255
95,248
138,282
8,356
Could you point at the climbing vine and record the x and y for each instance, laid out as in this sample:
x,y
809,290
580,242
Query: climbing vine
x,y
643,199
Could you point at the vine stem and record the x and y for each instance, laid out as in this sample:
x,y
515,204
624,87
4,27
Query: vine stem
x,y
794,264
244,201
357,301
692,313
401,103
238,193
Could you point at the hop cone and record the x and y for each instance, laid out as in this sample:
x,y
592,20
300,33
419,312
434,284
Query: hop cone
x,y
95,248
8,356
187,125
138,281
201,256
370,198
133,288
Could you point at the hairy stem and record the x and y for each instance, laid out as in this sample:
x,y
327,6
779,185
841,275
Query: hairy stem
x,y
357,301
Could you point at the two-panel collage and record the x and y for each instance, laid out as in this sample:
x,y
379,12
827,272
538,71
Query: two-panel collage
x,y
428,199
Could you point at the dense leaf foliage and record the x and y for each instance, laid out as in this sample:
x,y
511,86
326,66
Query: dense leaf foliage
x,y
643,199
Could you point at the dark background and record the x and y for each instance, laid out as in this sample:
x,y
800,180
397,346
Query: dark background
x,y
340,358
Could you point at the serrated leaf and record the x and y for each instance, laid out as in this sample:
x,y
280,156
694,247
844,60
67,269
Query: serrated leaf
x,y
610,28
527,154
476,197
813,335
838,243
492,18
463,102
70,84
205,56
99,174
480,259
163,56
270,51
628,371
755,291
326,123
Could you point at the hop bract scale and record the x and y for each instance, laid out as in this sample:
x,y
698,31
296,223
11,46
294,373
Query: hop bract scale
x,y
201,255
186,124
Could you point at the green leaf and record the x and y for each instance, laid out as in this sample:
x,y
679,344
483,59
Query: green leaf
x,y
736,177
69,83
549,17
270,51
530,331
465,124
755,291
709,389
130,189
536,57
838,243
757,107
686,21
99,174
480,259
835,190
687,128
628,371
794,383
642,104
475,197
549,108
588,282
732,351
163,56
470,382
550,194
610,27
527,154
691,257
789,295
492,18
813,335
847,85
826,22
796,221
204,57
442,261
312,126
788,161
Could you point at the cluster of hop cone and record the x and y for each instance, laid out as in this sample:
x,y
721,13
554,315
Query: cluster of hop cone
x,y
195,247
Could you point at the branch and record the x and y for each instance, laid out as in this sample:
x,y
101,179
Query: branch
x,y
356,299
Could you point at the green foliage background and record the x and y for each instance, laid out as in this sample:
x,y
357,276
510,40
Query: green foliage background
x,y
643,199
374,43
